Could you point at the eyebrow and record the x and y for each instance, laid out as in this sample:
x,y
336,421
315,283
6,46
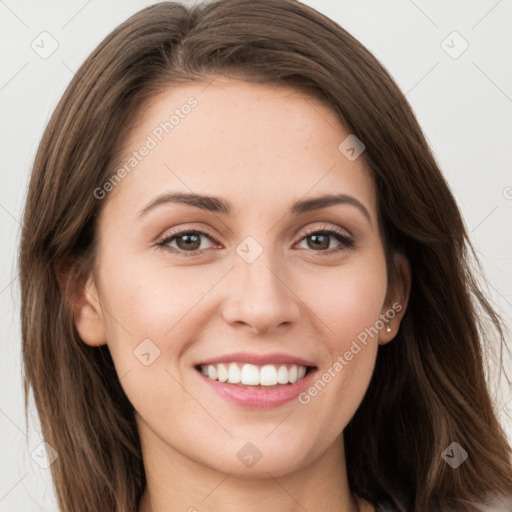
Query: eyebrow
x,y
219,205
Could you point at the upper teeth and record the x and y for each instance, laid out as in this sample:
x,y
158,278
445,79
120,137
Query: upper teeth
x,y
252,375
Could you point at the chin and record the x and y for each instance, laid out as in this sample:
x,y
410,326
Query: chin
x,y
261,457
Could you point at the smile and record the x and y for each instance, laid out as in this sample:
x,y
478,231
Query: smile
x,y
254,375
256,386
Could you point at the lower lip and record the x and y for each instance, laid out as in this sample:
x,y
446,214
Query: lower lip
x,y
259,397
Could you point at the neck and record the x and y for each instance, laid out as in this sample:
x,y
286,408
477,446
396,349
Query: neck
x,y
177,483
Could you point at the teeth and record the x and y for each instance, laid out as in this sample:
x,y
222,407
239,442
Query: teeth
x,y
253,375
250,375
234,373
222,373
292,374
212,372
268,375
282,375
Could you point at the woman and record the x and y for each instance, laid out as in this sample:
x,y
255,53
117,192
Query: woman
x,y
246,283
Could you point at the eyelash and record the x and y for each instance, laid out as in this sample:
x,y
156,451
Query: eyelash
x,y
346,242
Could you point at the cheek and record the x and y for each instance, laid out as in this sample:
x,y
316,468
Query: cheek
x,y
349,298
150,299
349,304
151,309
150,302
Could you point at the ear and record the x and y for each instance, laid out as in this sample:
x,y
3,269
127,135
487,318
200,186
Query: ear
x,y
83,301
397,299
88,313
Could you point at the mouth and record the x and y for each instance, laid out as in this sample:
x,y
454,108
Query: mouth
x,y
254,386
248,375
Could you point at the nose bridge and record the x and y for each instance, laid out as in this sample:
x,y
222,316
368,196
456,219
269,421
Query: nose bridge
x,y
258,294
261,277
258,269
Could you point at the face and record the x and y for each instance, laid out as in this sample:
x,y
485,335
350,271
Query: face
x,y
259,279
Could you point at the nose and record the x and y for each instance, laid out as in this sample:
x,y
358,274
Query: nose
x,y
260,297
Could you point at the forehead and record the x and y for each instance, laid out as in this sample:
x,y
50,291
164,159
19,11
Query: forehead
x,y
260,146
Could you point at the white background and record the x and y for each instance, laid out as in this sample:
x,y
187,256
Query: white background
x,y
464,106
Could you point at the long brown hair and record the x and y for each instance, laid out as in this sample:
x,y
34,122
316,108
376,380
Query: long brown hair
x,y
429,386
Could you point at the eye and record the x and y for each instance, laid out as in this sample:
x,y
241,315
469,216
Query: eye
x,y
188,241
320,240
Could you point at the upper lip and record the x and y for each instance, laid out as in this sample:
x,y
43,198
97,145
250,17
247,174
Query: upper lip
x,y
257,359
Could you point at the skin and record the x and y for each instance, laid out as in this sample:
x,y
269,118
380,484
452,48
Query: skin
x,y
261,148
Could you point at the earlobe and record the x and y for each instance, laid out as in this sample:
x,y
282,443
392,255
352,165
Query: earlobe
x,y
88,314
397,299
